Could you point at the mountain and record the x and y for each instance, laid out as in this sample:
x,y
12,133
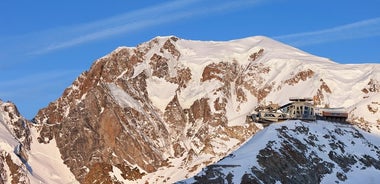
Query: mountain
x,y
163,110
300,152
140,111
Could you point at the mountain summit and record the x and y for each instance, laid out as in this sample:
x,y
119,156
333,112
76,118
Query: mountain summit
x,y
163,110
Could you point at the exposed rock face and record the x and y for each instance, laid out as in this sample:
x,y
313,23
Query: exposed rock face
x,y
319,98
372,87
300,76
173,104
15,172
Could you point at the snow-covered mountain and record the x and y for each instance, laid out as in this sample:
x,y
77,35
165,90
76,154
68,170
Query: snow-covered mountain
x,y
300,152
163,110
22,158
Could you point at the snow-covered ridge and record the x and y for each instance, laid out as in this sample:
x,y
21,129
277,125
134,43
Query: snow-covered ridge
x,y
306,152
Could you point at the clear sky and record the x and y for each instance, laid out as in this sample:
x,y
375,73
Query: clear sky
x,y
45,45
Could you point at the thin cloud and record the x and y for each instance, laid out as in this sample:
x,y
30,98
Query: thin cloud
x,y
136,20
362,29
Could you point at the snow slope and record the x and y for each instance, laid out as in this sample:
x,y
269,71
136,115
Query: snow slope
x,y
46,164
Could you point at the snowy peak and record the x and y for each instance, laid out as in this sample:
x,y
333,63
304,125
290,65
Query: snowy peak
x,y
15,142
22,158
16,124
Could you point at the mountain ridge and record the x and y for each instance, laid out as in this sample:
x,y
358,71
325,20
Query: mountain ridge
x,y
161,111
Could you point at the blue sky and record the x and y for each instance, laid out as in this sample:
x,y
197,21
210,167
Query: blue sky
x,y
45,45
